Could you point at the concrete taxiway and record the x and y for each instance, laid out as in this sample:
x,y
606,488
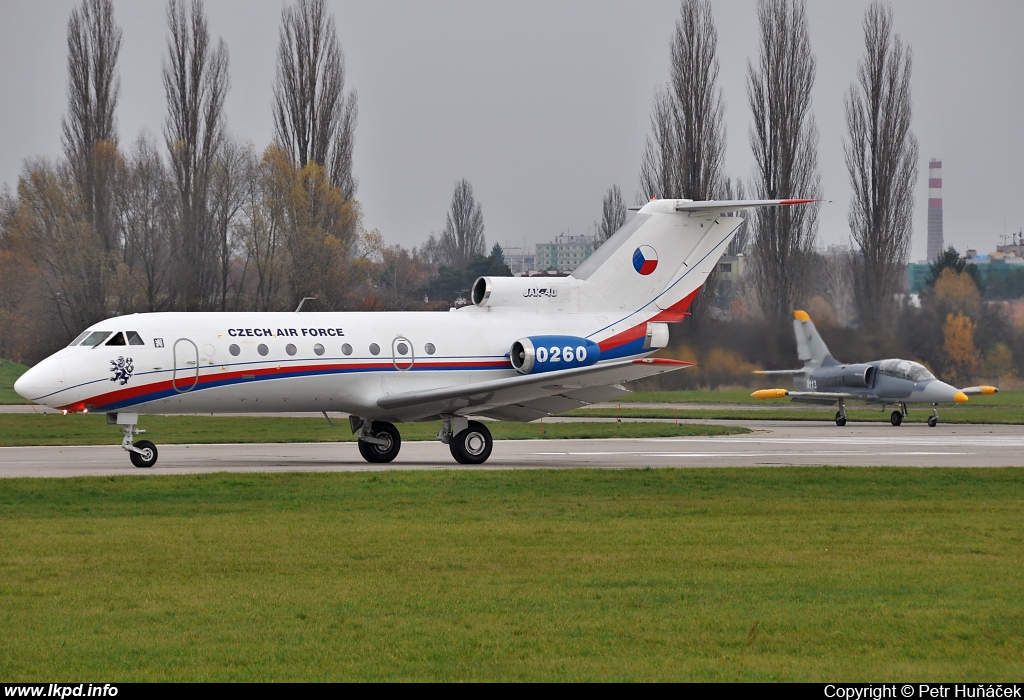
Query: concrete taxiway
x,y
771,444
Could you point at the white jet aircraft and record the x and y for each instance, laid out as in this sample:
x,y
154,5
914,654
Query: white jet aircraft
x,y
526,347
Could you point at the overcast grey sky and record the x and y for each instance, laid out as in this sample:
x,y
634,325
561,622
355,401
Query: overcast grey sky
x,y
544,105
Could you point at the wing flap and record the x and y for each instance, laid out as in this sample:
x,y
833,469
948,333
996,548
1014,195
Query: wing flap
x,y
528,396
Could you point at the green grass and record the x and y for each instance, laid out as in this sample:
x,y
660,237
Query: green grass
x,y
742,396
55,429
787,411
808,574
9,373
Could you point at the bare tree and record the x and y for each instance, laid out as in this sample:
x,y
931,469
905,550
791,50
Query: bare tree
x,y
613,214
314,119
738,244
145,209
463,234
881,157
90,127
226,198
685,150
684,153
784,139
260,228
195,81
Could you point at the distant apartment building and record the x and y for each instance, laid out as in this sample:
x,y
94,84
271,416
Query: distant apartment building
x,y
519,259
565,253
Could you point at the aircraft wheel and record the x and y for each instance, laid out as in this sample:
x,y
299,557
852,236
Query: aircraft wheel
x,y
933,421
840,419
896,418
473,445
380,454
146,458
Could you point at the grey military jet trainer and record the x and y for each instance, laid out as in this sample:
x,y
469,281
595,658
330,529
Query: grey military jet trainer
x,y
823,380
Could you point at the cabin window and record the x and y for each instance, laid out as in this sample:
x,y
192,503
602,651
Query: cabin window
x,y
429,347
290,349
346,349
403,349
78,340
319,349
374,349
118,339
96,338
234,350
135,339
262,349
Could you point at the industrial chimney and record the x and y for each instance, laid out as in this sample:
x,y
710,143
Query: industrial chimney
x,y
935,245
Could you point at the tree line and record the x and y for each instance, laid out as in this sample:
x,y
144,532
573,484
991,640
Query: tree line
x,y
197,220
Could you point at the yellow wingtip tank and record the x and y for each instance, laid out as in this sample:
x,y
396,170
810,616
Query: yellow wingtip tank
x,y
989,390
770,394
960,397
801,316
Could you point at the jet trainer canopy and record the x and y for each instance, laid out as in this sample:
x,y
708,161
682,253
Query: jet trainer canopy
x,y
905,369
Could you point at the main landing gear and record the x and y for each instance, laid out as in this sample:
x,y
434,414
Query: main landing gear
x,y
897,416
379,441
470,441
841,414
143,453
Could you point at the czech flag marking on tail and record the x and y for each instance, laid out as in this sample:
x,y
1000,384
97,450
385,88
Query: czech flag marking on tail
x,y
645,259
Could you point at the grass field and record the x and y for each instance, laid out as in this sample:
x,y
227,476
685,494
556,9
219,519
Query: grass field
x,y
9,373
55,429
1008,415
740,574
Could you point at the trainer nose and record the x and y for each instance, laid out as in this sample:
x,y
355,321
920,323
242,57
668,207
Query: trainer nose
x,y
40,381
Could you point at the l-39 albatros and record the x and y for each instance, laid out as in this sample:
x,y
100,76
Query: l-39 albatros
x,y
826,381
525,348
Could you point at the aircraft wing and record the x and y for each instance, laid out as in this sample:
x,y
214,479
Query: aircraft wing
x,y
824,397
529,396
780,372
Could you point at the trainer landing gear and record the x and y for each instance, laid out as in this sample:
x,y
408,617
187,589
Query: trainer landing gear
x,y
143,453
933,420
470,441
379,441
897,416
841,414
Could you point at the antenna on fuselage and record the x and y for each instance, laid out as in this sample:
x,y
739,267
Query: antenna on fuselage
x,y
304,300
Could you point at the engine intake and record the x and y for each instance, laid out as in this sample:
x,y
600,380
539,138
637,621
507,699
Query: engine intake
x,y
546,353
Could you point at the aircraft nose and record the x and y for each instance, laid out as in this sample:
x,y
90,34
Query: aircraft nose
x,y
940,392
41,380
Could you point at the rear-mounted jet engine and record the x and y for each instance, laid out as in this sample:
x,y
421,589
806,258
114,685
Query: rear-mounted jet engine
x,y
546,353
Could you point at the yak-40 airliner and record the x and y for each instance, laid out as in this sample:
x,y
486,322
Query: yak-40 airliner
x,y
525,348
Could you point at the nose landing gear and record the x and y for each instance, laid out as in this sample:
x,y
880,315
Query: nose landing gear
x,y
934,419
143,453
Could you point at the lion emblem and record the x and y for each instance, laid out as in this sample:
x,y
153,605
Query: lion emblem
x,y
122,368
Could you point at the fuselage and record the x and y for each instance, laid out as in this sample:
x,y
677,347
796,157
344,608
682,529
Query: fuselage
x,y
889,381
260,362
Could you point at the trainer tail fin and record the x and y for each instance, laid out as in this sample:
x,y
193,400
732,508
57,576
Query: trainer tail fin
x,y
809,346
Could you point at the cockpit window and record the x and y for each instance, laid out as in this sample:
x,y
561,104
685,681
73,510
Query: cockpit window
x,y
95,338
905,369
134,338
118,339
78,340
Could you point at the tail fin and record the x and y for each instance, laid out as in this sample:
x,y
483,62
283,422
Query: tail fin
x,y
658,260
809,346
